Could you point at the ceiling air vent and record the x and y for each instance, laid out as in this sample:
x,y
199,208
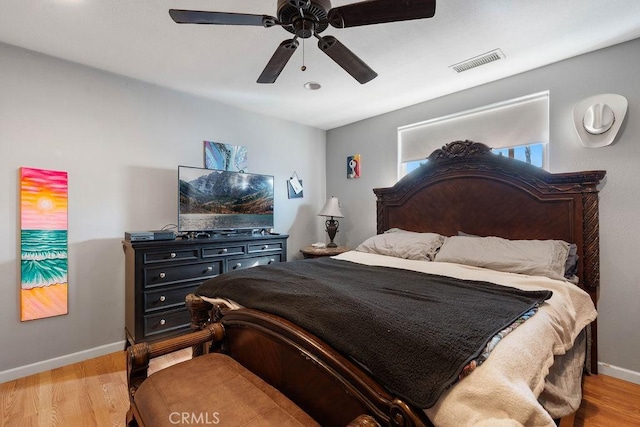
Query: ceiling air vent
x,y
477,61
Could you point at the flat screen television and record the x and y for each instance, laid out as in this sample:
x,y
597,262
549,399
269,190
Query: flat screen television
x,y
213,201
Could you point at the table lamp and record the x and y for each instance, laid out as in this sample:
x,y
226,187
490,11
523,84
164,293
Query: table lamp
x,y
331,209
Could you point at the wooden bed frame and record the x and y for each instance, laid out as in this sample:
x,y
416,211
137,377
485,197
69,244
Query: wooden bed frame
x,y
463,187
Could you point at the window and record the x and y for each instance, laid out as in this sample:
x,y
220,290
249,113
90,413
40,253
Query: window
x,y
534,154
517,128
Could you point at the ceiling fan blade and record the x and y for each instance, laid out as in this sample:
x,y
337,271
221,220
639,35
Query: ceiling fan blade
x,y
346,59
277,62
221,18
380,11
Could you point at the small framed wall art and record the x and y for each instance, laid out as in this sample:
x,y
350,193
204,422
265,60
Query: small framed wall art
x,y
294,187
225,156
353,166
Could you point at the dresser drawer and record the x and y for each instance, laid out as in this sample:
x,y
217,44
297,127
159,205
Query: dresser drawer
x,y
165,275
222,251
264,247
242,263
166,298
167,321
170,255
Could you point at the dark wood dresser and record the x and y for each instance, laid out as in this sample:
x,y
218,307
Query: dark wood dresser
x,y
160,274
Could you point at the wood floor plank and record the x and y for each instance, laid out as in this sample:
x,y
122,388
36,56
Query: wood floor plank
x,y
94,393
10,397
608,401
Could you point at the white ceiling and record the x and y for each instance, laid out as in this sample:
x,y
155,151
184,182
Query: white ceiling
x,y
138,39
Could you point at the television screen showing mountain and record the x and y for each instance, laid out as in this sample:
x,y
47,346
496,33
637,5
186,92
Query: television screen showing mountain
x,y
215,199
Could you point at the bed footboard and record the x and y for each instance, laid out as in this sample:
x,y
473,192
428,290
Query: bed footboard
x,y
326,385
200,311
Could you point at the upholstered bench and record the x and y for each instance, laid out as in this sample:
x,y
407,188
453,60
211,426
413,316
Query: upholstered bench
x,y
211,389
214,388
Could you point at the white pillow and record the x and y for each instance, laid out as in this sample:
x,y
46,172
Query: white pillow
x,y
533,257
403,244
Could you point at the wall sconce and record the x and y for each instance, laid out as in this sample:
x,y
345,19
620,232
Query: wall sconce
x,y
331,209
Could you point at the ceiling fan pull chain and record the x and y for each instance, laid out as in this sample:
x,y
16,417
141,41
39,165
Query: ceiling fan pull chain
x,y
304,67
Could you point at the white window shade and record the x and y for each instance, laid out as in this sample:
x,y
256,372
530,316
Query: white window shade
x,y
515,122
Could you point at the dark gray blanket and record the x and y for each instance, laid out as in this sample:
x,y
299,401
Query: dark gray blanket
x,y
413,332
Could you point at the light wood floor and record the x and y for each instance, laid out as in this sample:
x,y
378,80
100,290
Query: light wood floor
x,y
94,393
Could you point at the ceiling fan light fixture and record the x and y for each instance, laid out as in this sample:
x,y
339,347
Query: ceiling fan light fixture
x,y
308,18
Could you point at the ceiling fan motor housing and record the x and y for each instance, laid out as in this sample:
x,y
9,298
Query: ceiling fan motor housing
x,y
314,20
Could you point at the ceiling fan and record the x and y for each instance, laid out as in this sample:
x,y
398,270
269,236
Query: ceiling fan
x,y
307,18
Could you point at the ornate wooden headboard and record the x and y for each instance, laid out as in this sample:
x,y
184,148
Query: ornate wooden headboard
x,y
465,187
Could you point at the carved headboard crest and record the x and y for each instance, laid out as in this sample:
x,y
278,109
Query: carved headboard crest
x,y
459,149
471,155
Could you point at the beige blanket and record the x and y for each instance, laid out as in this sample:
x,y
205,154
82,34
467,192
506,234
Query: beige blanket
x,y
504,390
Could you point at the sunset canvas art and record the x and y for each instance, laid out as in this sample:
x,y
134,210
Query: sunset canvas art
x,y
43,260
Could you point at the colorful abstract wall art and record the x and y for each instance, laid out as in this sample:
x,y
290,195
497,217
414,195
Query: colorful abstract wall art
x,y
44,244
225,157
353,166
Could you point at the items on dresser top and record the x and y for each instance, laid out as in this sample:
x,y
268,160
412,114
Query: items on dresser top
x,y
149,235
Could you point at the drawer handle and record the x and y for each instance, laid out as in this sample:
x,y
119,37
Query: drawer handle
x,y
272,260
224,251
238,265
162,321
163,298
172,255
209,269
265,247
162,275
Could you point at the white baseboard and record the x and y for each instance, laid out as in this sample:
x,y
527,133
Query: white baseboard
x,y
620,373
57,362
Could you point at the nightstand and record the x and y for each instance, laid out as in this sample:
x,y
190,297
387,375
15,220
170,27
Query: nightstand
x,y
311,252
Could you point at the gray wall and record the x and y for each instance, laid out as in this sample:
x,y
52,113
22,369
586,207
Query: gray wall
x,y
612,70
121,141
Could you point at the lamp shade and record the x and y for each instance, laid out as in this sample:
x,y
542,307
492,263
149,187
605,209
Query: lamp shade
x,y
331,208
